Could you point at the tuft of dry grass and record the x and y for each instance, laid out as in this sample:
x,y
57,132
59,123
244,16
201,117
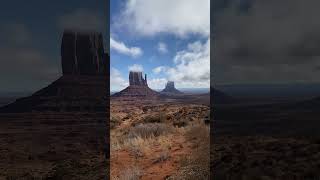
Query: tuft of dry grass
x,y
163,156
133,173
137,146
148,130
139,140
114,122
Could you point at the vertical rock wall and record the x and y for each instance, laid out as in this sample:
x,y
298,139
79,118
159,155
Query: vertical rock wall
x,y
136,79
82,53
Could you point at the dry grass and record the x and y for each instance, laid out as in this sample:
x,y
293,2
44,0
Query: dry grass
x,y
141,138
148,130
114,122
137,146
132,173
163,156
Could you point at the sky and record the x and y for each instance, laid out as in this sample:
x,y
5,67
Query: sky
x,y
253,41
31,33
266,42
167,40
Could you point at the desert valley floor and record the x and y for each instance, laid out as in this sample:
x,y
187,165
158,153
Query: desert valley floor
x,y
51,145
159,139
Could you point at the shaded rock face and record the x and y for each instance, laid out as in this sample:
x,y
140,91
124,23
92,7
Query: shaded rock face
x,y
138,87
135,78
84,84
82,53
170,88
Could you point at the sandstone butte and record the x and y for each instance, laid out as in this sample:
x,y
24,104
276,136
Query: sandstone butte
x,y
83,85
138,87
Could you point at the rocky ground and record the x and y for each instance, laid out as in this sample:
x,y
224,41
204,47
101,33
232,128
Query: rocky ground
x,y
53,146
265,157
159,139
267,141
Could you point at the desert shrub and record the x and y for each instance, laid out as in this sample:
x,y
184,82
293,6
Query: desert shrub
x,y
148,130
137,146
136,151
158,118
180,123
114,122
163,156
151,119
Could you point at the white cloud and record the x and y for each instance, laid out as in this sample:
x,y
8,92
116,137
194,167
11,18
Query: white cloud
x,y
192,66
123,49
157,83
136,67
159,69
162,48
82,19
179,17
117,82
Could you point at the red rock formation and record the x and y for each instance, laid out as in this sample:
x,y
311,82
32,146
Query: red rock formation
x,y
84,84
138,87
82,53
135,78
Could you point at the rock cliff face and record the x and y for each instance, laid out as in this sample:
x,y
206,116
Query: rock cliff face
x,y
170,88
84,84
82,53
135,78
138,87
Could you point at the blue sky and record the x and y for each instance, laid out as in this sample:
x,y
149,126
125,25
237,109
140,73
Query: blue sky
x,y
165,42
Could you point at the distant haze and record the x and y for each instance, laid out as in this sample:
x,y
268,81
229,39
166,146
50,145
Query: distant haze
x,y
185,90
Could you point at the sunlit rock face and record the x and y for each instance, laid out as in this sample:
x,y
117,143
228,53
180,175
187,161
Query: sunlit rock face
x,y
135,78
82,53
138,87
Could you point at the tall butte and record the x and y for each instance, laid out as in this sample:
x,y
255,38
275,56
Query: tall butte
x,y
138,87
83,85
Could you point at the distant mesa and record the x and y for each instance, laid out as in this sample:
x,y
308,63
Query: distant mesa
x,y
138,87
170,89
84,83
